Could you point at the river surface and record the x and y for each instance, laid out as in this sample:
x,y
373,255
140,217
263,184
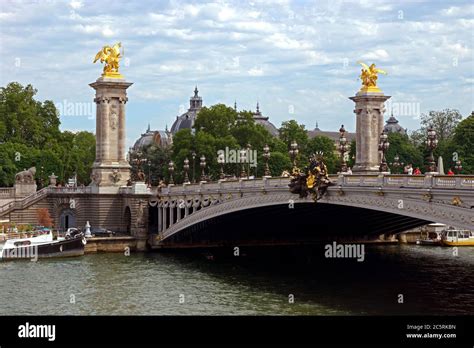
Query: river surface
x,y
430,279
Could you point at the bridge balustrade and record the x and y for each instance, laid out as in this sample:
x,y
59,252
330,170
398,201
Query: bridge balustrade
x,y
7,192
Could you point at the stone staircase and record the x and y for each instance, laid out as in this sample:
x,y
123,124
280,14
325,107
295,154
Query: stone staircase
x,y
23,203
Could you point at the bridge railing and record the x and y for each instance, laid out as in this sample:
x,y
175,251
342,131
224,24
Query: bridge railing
x,y
7,192
55,189
353,180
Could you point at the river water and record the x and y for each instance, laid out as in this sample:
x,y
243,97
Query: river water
x,y
430,279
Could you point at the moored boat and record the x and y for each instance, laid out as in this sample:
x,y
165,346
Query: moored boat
x,y
453,237
432,239
42,246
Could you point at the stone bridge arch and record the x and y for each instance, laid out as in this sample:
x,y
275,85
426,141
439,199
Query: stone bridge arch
x,y
404,210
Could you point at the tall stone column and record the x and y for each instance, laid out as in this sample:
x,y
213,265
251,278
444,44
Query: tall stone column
x,y
111,169
369,110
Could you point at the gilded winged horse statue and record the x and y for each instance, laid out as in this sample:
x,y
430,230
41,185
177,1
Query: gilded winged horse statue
x,y
369,75
111,57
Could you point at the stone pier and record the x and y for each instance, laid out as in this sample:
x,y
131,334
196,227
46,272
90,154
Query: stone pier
x,y
111,169
369,110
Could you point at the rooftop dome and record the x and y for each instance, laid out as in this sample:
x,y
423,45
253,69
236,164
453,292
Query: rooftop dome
x,y
159,138
392,126
263,120
187,119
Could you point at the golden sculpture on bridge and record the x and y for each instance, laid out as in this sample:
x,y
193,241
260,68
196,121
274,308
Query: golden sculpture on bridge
x,y
369,76
111,56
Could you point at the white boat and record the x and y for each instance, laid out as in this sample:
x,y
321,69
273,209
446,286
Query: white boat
x,y
42,245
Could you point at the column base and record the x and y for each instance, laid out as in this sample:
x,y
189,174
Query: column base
x,y
365,169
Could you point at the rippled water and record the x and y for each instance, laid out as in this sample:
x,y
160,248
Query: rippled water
x,y
431,280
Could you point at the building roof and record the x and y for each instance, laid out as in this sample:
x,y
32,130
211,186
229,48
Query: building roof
x,y
263,120
187,119
392,126
158,137
332,135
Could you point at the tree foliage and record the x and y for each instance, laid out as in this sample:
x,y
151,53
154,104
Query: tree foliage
x,y
30,136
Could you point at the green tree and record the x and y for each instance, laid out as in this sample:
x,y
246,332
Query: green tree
x,y
25,120
291,130
407,152
278,163
463,144
443,122
216,120
30,136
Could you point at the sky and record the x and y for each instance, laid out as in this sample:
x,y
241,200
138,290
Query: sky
x,y
298,59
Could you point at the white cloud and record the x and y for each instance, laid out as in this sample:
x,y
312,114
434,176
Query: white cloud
x,y
76,4
297,46
377,55
255,71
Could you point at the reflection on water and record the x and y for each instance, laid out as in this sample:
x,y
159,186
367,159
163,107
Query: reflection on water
x,y
431,280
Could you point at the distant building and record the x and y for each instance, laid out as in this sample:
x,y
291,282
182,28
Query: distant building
x,y
334,136
263,120
392,126
186,120
160,138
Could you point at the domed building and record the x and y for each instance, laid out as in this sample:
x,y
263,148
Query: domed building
x,y
187,119
160,138
392,126
263,120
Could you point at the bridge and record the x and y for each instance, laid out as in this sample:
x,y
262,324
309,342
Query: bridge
x,y
373,204
260,210
257,211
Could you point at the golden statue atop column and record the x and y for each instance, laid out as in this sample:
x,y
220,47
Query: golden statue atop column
x,y
111,56
369,109
111,168
369,76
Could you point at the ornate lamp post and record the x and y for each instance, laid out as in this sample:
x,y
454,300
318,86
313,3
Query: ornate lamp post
x,y
149,172
249,147
203,166
138,160
243,158
458,166
186,169
383,147
221,161
396,164
432,143
171,170
194,164
343,148
293,152
266,156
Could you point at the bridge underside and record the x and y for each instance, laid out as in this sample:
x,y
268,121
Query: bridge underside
x,y
278,225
